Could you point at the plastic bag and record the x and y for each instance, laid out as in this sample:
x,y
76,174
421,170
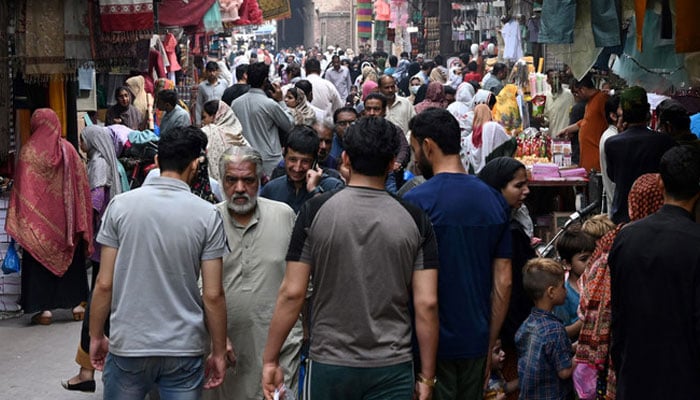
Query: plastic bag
x,y
585,380
10,264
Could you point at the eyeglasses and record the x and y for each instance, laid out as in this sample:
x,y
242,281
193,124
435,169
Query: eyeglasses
x,y
345,123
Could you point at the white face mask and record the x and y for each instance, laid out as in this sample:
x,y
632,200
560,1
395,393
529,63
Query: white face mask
x,y
414,89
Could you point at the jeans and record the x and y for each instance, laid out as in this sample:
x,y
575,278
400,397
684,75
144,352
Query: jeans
x,y
131,378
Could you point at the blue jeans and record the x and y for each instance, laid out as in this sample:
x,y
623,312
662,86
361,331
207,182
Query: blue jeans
x,y
131,378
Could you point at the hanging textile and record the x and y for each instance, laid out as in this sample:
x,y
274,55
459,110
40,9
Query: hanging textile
x,y
169,45
212,19
687,26
605,22
275,9
382,11
126,15
399,14
179,13
229,10
44,49
250,13
558,19
658,67
364,19
580,55
76,32
380,30
5,93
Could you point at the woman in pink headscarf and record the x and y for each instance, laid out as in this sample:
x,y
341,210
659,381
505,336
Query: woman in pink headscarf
x,y
486,137
434,97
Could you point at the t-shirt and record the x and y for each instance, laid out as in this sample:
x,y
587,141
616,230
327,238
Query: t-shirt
x,y
472,228
363,245
567,312
162,233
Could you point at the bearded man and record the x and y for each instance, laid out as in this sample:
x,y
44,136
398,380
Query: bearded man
x,y
258,232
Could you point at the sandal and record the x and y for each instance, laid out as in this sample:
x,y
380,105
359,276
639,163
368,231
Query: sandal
x,y
41,319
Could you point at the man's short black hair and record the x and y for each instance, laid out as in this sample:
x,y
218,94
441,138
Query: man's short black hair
x,y
344,110
212,66
450,90
393,61
377,96
498,67
611,105
241,70
257,73
680,172
471,66
585,82
440,126
312,65
178,146
306,87
404,54
211,107
371,143
574,241
303,139
168,97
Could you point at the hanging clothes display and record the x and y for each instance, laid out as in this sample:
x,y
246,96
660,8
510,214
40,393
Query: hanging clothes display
x,y
126,15
179,13
658,67
44,48
76,32
169,45
57,100
687,26
250,13
229,10
212,19
605,22
582,54
557,23
513,49
382,11
364,19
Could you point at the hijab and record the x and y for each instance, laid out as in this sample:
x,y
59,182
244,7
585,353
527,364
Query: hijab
x,y
497,173
486,137
137,86
225,131
50,209
462,105
102,168
367,88
130,116
302,113
434,97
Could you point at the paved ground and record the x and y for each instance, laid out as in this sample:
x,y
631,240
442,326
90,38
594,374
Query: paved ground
x,y
34,359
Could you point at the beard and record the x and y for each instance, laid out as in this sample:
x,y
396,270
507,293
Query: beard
x,y
426,169
245,208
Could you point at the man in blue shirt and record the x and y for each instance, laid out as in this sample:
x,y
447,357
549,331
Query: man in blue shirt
x,y
303,178
474,244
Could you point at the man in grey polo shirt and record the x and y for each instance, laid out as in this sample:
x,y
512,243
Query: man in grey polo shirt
x,y
370,257
156,240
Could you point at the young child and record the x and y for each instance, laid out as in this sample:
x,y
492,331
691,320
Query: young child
x,y
598,225
498,387
575,248
544,350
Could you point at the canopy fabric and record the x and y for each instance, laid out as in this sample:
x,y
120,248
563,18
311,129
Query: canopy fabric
x,y
181,13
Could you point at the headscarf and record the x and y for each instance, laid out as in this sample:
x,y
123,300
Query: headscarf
x,y
497,173
136,85
50,208
438,75
302,113
462,105
225,131
129,115
482,97
434,97
201,186
368,87
102,168
486,136
645,198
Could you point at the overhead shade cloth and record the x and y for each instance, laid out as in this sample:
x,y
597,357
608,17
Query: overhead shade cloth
x,y
126,15
180,13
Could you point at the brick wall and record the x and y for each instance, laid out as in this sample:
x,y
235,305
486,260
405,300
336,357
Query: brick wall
x,y
333,24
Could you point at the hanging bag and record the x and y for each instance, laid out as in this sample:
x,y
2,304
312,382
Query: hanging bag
x,y
11,262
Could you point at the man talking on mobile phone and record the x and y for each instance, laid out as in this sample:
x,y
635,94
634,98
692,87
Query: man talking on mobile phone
x,y
304,178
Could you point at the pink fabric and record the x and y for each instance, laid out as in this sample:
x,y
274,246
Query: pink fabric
x,y
50,208
367,88
169,45
126,15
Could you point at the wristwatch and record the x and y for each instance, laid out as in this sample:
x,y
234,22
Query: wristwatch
x,y
428,382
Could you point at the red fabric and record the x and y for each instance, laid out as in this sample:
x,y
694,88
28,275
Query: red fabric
x,y
250,13
687,27
126,15
155,61
179,13
169,44
472,76
50,208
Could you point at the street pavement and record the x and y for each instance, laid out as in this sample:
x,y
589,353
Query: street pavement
x,y
35,358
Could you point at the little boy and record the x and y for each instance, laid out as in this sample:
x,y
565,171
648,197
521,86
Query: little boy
x,y
544,350
575,248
